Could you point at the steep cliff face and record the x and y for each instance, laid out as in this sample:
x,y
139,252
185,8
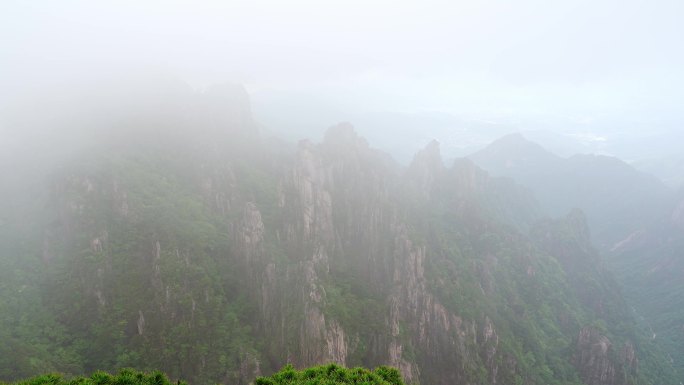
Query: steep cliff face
x,y
599,363
650,266
426,169
598,359
343,225
219,260
568,240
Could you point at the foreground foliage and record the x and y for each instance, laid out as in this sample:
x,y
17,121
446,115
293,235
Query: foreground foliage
x,y
124,377
332,374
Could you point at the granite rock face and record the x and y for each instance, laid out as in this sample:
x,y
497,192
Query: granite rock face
x,y
327,253
598,361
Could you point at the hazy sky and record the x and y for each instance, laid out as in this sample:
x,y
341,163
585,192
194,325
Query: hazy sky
x,y
594,69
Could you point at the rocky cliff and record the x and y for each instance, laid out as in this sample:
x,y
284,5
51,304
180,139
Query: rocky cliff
x,y
218,260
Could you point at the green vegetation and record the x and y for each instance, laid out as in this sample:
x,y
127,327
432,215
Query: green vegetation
x,y
123,377
650,270
332,374
212,266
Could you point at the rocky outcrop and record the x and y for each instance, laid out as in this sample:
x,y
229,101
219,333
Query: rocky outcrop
x,y
599,364
420,323
307,233
224,111
310,199
426,169
321,340
332,192
250,233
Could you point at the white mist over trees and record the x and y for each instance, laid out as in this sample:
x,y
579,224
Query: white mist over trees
x,y
217,189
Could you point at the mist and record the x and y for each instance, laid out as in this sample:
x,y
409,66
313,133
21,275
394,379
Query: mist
x,y
452,192
605,76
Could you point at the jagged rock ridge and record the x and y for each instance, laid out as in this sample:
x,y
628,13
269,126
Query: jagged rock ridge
x,y
217,260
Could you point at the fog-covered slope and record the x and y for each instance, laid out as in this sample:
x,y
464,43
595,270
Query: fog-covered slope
x,y
184,242
616,198
650,265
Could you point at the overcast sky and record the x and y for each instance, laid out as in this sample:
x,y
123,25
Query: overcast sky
x,y
596,70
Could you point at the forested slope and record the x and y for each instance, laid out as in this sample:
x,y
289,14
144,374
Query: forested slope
x,y
185,242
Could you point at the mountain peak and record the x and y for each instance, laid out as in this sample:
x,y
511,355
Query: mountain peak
x,y
225,109
518,144
430,156
344,135
512,152
426,167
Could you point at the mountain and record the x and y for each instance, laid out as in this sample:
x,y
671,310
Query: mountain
x,y
616,198
650,266
185,242
670,169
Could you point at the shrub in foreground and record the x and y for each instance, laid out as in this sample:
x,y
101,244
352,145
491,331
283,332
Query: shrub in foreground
x,y
332,374
124,377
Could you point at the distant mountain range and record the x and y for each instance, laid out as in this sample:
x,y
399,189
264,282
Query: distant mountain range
x,y
617,199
